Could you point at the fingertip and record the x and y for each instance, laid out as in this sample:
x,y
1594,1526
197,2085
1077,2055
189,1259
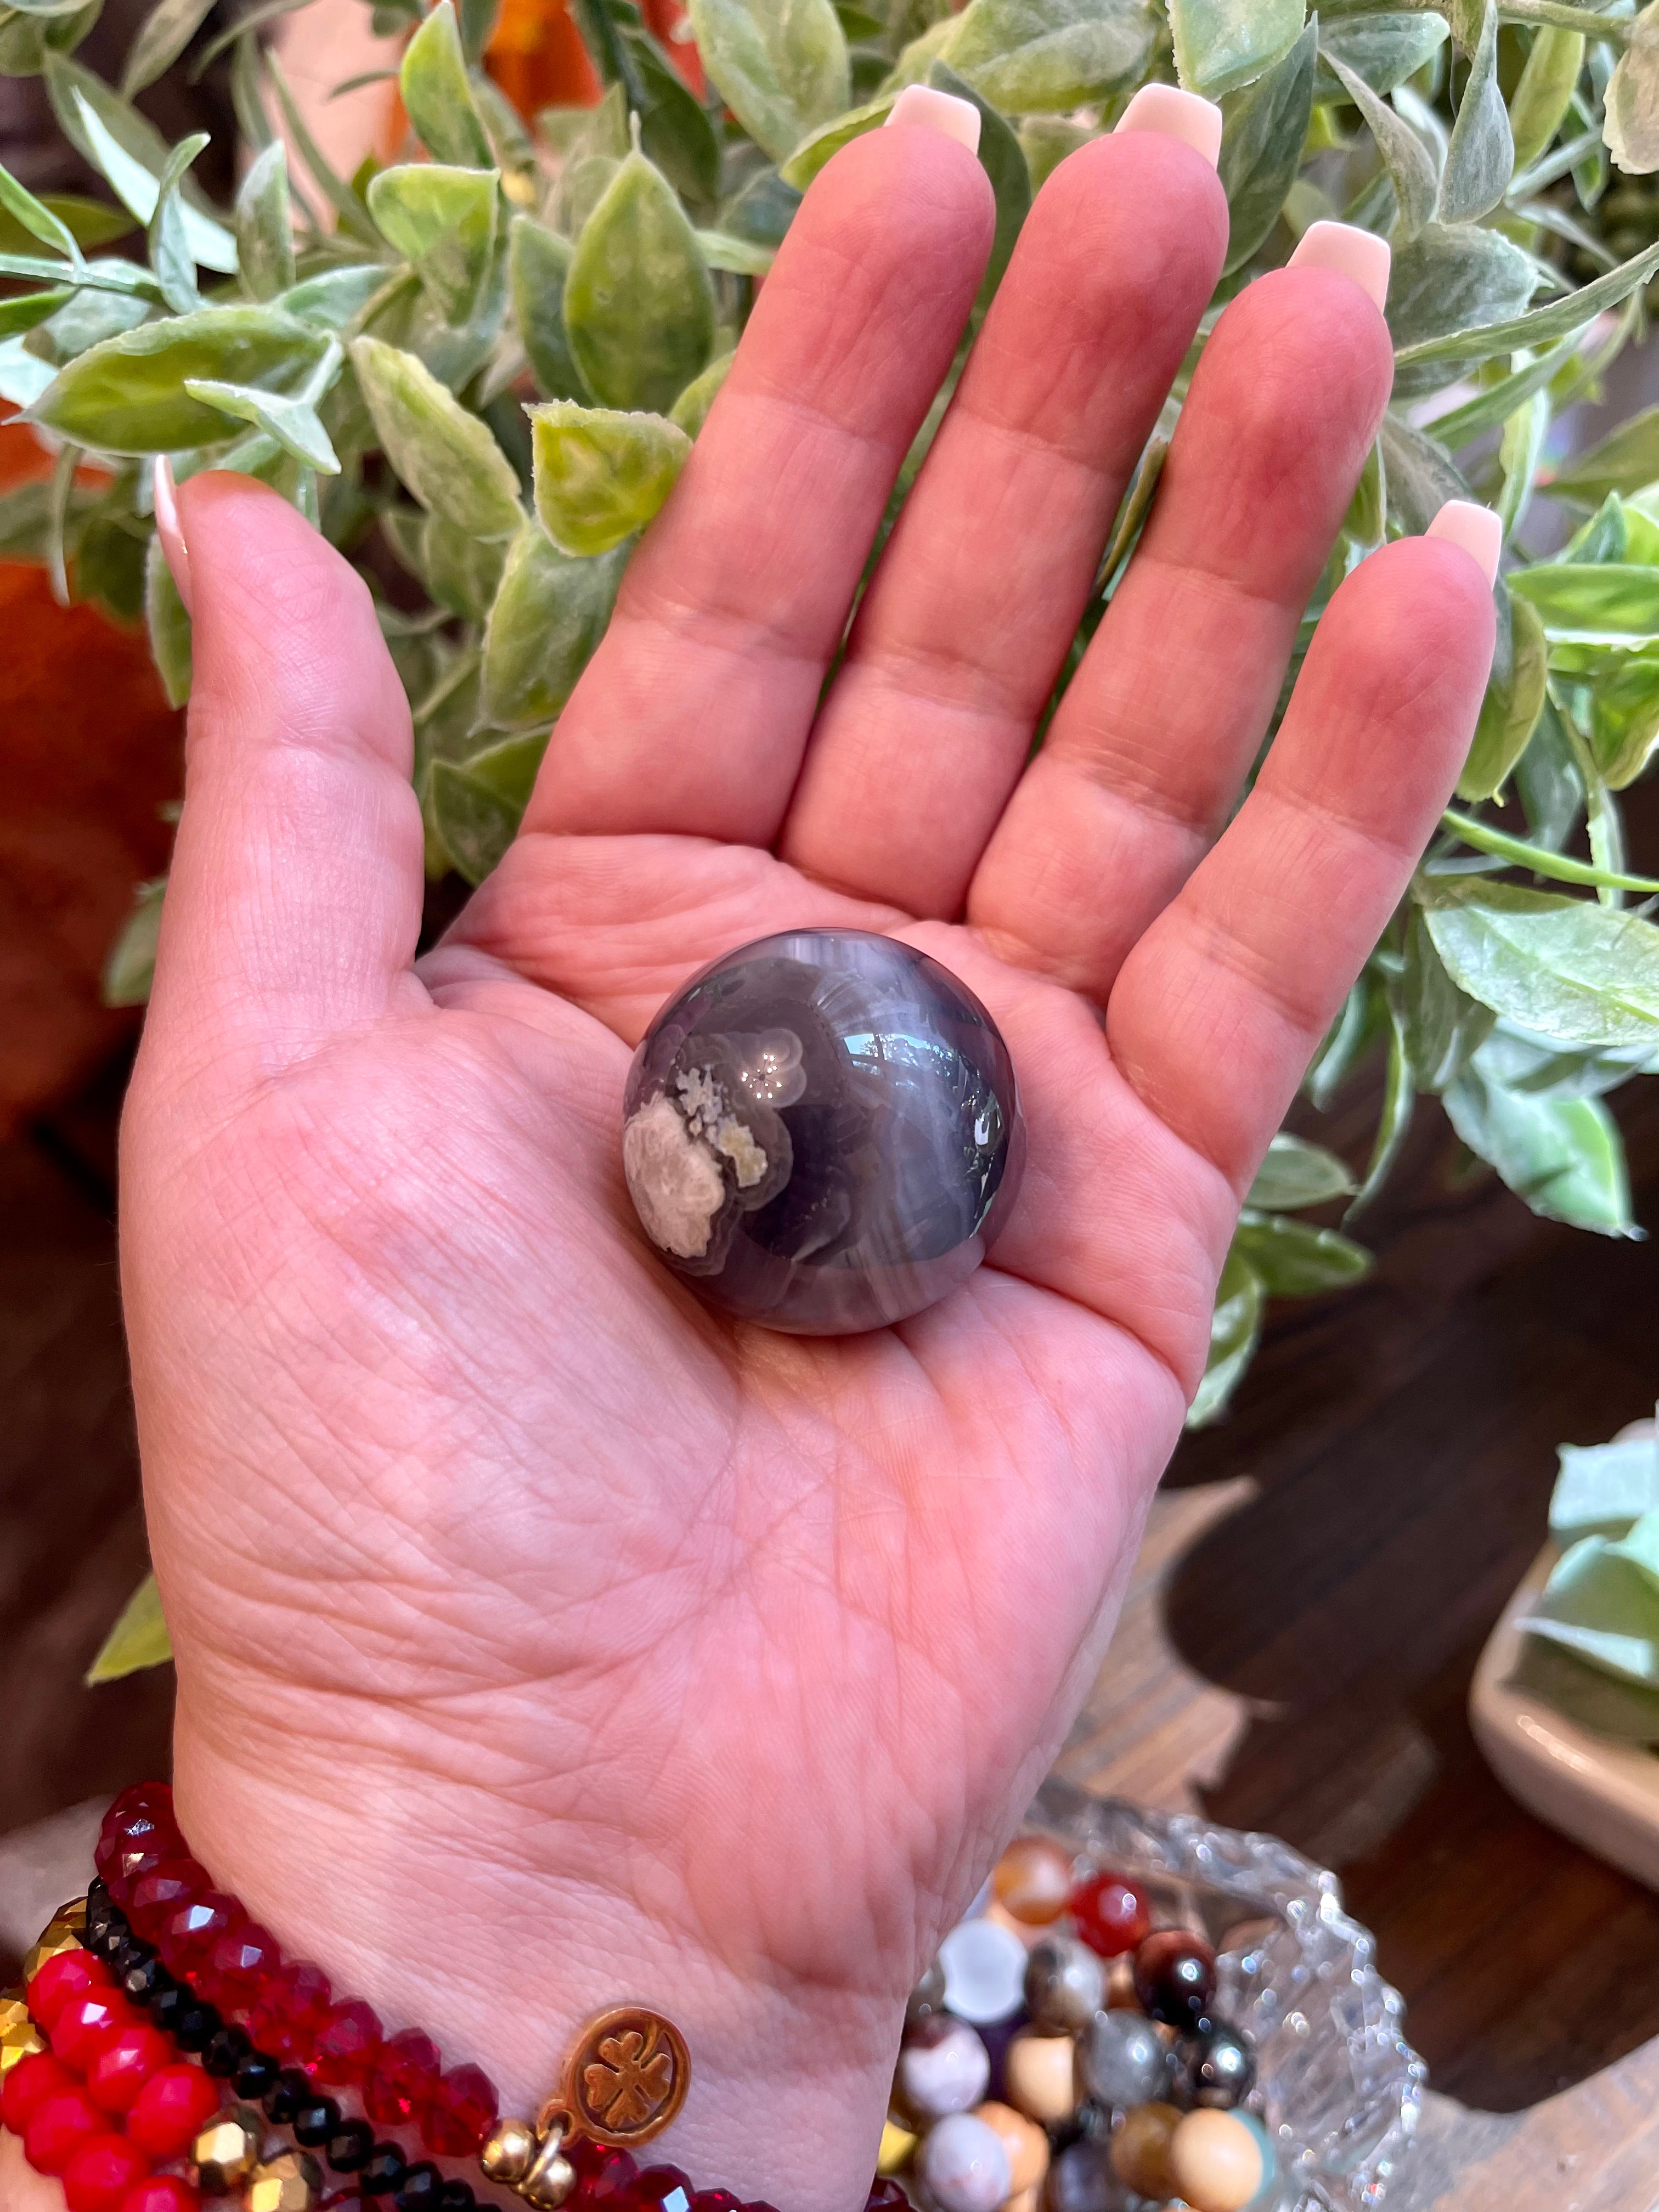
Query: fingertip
x,y
1478,530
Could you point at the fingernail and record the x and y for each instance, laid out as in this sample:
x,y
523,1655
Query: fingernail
x,y
1476,529
167,529
1351,252
937,110
1176,114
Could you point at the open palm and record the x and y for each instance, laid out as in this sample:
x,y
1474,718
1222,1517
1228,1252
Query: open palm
x,y
543,1639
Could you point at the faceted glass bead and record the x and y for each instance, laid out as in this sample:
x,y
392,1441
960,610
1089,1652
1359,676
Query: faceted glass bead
x,y
661,2189
19,2039
56,1939
383,2170
291,2006
1112,1915
461,2113
27,2086
315,2122
420,2188
242,1959
85,2024
70,1974
132,1863
228,2053
821,1131
345,2043
288,2093
162,2192
291,2182
603,2176
61,2123
256,2075
101,2171
147,1982
351,2146
456,2196
401,2081
171,2110
714,2200
885,2196
122,2066
179,2013
188,1937
157,1895
226,2150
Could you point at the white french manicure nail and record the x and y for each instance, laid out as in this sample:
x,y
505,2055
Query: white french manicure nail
x,y
167,529
1476,529
1349,251
937,110
1176,114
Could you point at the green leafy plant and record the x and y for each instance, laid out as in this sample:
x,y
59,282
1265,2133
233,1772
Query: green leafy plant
x,y
479,369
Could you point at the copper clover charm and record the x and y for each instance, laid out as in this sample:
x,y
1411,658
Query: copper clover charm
x,y
628,2076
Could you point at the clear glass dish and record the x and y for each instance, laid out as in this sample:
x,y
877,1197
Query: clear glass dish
x,y
1340,2087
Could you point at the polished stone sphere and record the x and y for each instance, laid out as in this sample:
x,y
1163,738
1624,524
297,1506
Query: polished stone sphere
x,y
821,1131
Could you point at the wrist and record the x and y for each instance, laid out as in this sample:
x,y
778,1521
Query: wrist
x,y
470,1912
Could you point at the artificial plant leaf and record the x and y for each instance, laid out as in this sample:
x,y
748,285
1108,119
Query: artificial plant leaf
x,y
1048,57
690,411
23,311
1562,1158
638,303
549,614
1234,1331
170,255
1046,141
1367,518
291,421
476,824
437,95
582,187
1562,968
739,256
1544,95
334,297
1451,280
28,39
131,153
460,572
1514,698
168,30
601,475
109,273
1480,286
1584,1694
1631,122
1297,1261
23,378
442,220
89,223
264,226
675,129
1383,49
1623,729
1399,1104
763,211
780,65
168,623
1612,603
354,216
36,218
1604,1490
1417,477
1296,1174
1443,1026
138,1639
445,455
1624,461
538,262
814,153
1481,155
128,395
508,766
1409,161
1222,44
130,967
1003,162
1263,132
1600,1608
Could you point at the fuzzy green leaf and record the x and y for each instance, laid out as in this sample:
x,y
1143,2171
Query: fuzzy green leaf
x,y
675,128
816,152
780,65
128,395
1234,1331
1383,50
1481,154
131,153
1544,95
690,411
1453,289
1003,162
169,626
600,476
638,303
1296,1174
1222,44
130,967
291,421
1612,603
170,255
1263,132
549,614
1562,1155
446,458
538,263
1443,1027
476,824
1409,163
438,96
1296,1260
36,218
1514,699
1624,461
442,220
168,30
264,228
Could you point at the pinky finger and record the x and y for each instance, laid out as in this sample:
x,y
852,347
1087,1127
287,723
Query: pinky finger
x,y
1218,1010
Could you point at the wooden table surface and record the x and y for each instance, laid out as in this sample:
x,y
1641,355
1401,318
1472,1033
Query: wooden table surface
x,y
1319,1574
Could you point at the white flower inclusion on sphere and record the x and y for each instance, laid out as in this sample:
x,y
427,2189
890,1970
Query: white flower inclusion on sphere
x,y
821,1131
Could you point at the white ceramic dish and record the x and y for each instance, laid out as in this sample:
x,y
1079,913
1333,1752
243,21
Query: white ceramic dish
x,y
1602,1794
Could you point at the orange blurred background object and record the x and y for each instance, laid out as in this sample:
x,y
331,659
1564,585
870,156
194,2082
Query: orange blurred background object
x,y
536,56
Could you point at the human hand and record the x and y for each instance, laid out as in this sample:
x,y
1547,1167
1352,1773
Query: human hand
x,y
542,1639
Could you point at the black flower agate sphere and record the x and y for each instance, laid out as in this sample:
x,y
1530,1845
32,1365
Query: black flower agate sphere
x,y
821,1131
